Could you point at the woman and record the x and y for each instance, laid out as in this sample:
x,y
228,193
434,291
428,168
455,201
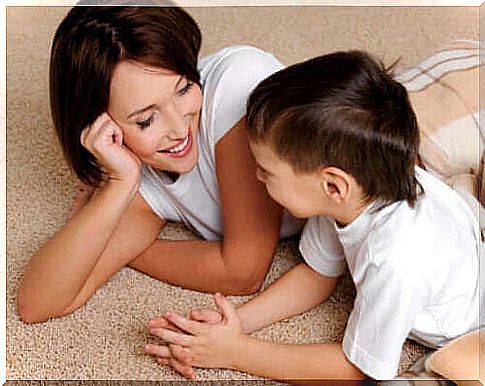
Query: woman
x,y
161,138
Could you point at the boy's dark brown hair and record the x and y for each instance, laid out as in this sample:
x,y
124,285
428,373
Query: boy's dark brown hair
x,y
88,45
344,110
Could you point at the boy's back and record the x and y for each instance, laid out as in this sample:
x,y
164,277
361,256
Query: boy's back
x,y
415,271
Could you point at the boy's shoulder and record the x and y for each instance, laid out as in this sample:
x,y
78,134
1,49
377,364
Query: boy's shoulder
x,y
439,226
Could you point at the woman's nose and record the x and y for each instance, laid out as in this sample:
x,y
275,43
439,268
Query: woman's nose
x,y
177,123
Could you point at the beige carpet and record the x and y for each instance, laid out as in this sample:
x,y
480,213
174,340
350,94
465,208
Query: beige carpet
x,y
104,339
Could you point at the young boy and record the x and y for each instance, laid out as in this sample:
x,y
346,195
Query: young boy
x,y
336,141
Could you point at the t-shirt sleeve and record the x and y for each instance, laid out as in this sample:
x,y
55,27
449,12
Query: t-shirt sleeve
x,y
228,79
321,248
387,304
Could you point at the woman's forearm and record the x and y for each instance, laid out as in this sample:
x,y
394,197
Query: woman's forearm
x,y
194,264
58,270
293,361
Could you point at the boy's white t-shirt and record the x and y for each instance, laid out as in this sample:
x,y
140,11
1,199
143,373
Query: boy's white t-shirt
x,y
227,79
416,273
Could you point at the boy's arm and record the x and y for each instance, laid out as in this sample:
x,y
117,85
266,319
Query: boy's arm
x,y
224,345
297,291
294,361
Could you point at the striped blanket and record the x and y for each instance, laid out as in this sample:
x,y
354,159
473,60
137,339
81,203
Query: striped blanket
x,y
444,90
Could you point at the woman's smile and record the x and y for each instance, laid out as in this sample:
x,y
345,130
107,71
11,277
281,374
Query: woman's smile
x,y
181,148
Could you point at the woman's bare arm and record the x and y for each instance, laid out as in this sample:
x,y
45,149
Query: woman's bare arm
x,y
110,230
96,243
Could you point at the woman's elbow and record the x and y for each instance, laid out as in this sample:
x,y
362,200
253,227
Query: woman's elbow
x,y
243,283
30,318
27,311
238,288
31,311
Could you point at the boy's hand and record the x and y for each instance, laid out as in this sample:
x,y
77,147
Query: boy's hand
x,y
180,360
206,316
202,344
173,355
203,315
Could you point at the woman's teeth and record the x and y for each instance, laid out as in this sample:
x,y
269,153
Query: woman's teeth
x,y
179,148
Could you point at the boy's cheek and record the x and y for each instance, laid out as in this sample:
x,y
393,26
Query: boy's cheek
x,y
273,193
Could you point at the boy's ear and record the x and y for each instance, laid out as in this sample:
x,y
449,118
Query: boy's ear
x,y
336,184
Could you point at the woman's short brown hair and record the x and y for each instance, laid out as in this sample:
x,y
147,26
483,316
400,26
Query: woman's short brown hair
x,y
344,110
88,45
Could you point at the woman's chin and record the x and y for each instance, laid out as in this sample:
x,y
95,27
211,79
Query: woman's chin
x,y
186,169
182,165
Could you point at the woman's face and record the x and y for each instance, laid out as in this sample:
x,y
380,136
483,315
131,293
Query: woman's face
x,y
158,112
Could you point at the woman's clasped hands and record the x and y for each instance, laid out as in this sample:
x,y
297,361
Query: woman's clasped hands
x,y
207,338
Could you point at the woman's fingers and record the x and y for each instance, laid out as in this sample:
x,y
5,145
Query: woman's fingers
x,y
172,336
101,133
161,322
157,322
206,316
104,140
159,351
91,132
104,137
185,324
165,356
227,308
181,354
83,136
163,361
186,371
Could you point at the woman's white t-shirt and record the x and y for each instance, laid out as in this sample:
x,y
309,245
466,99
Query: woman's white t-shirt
x,y
227,79
416,272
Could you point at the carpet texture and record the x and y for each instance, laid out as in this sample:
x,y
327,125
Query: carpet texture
x,y
104,339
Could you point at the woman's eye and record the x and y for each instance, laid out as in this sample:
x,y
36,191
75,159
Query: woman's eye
x,y
147,122
186,88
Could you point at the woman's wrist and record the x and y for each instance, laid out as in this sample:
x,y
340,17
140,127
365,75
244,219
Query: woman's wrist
x,y
124,187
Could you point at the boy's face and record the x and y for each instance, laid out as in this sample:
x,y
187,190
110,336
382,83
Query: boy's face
x,y
300,193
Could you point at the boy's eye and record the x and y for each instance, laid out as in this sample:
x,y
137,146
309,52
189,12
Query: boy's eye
x,y
145,123
186,88
261,173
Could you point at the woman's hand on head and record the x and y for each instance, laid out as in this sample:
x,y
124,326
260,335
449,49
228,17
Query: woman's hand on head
x,y
104,139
